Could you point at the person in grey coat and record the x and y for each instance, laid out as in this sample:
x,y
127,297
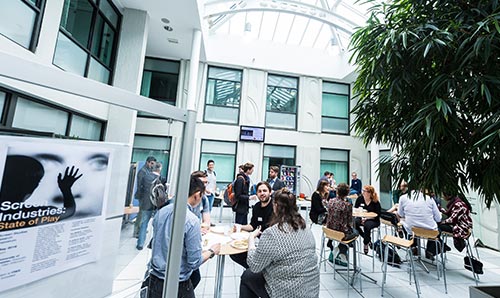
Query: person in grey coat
x,y
285,261
143,188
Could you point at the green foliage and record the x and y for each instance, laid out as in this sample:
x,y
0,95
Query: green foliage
x,y
429,86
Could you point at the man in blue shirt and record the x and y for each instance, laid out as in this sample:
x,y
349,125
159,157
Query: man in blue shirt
x,y
192,254
356,184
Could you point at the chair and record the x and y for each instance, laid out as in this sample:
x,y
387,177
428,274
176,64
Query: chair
x,y
374,239
403,244
432,235
337,236
468,250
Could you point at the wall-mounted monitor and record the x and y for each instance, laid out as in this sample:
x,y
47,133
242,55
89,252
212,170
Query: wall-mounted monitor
x,y
252,133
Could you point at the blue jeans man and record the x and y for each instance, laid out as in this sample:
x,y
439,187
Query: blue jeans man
x,y
146,215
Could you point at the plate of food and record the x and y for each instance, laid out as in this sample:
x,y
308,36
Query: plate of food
x,y
240,244
240,235
218,229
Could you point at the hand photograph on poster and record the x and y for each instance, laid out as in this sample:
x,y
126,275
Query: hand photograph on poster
x,y
48,184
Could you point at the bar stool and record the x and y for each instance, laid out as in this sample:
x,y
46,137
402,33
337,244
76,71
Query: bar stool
x,y
403,244
337,236
468,250
374,239
432,235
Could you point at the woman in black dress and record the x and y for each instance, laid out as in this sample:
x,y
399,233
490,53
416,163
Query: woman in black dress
x,y
369,201
319,200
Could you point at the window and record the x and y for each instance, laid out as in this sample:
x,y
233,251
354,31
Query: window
x,y
337,162
86,44
20,21
275,155
335,108
222,103
385,179
224,156
156,146
160,79
27,116
281,104
3,99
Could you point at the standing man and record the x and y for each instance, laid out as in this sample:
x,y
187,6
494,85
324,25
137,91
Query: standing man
x,y
192,255
241,186
212,182
146,207
273,180
326,177
355,184
142,191
261,216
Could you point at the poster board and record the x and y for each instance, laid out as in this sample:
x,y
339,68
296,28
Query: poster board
x,y
53,197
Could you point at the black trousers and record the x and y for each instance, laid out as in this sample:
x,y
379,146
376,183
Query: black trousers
x,y
365,229
241,218
195,278
240,259
252,285
186,289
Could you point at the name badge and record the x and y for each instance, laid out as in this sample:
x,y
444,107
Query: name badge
x,y
259,218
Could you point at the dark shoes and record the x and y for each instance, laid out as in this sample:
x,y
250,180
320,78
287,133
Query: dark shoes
x,y
341,260
139,247
365,249
414,251
429,256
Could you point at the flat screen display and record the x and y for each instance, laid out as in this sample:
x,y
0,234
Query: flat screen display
x,y
252,133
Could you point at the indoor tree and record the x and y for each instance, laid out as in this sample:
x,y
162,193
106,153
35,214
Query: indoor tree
x,y
428,85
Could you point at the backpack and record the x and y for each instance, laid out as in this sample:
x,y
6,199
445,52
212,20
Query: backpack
x,y
393,259
230,196
158,194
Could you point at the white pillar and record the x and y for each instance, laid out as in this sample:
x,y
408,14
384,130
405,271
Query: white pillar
x,y
186,162
128,73
375,162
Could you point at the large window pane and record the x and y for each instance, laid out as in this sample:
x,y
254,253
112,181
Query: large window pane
x,y
281,103
159,147
102,41
335,105
335,108
160,79
109,12
17,21
277,156
385,179
98,72
223,93
2,104
69,56
224,156
77,19
38,117
337,162
85,128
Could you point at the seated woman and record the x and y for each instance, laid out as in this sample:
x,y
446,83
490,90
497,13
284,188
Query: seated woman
x,y
285,261
319,199
369,201
459,221
340,219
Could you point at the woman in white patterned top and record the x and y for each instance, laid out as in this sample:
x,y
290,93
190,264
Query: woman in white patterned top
x,y
285,263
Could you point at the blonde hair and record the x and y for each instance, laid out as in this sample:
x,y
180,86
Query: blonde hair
x,y
373,193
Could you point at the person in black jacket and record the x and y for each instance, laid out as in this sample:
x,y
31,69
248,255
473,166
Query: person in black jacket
x,y
369,201
241,186
317,214
273,179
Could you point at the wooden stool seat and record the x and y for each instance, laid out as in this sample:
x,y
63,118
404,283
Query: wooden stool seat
x,y
425,233
337,236
397,241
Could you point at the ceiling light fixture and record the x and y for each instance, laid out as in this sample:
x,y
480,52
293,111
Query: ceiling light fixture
x,y
165,20
168,28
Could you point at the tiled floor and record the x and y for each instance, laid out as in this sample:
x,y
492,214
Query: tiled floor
x,y
131,265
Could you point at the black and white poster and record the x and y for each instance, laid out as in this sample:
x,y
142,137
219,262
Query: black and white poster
x,y
52,204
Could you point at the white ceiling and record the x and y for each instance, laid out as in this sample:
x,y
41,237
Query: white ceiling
x,y
295,39
184,18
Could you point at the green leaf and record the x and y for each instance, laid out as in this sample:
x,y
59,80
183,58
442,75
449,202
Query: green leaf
x,y
439,102
427,48
404,36
486,92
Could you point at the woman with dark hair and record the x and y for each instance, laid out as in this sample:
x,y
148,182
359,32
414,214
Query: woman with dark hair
x,y
285,261
369,201
459,221
319,200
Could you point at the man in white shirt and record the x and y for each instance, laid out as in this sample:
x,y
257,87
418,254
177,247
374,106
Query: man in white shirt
x,y
419,211
212,182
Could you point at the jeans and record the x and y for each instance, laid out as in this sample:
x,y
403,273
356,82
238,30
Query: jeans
x,y
145,217
186,289
210,198
252,285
